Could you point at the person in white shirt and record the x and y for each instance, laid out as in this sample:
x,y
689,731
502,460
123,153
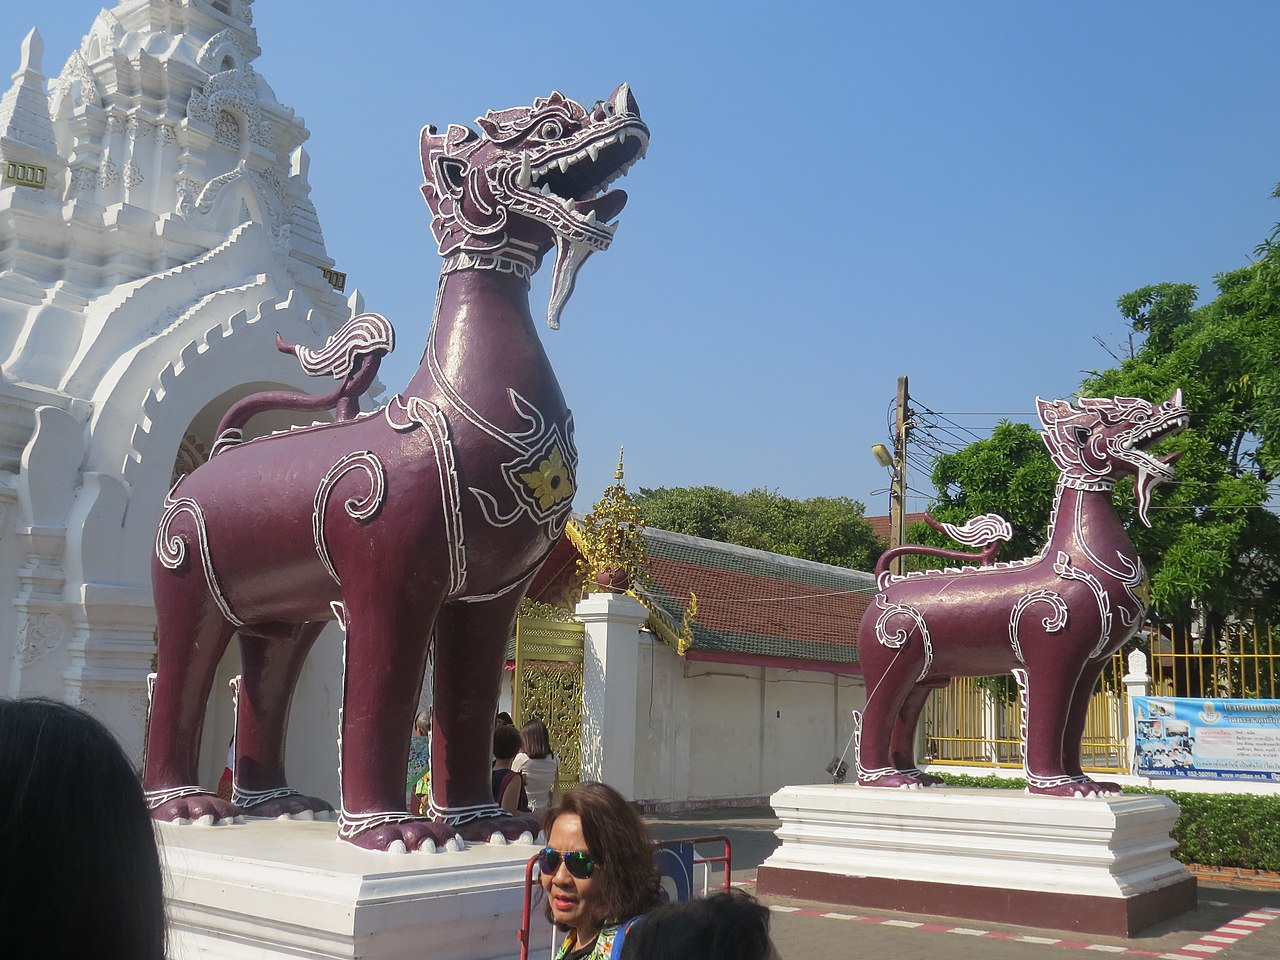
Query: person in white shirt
x,y
537,763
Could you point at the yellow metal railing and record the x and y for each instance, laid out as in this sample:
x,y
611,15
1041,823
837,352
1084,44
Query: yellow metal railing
x,y
966,724
1236,662
969,724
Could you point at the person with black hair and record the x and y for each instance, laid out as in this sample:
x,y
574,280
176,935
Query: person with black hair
x,y
596,871
79,869
508,785
725,926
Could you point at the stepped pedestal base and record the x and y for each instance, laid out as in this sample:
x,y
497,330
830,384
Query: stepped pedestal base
x,y
1097,865
272,890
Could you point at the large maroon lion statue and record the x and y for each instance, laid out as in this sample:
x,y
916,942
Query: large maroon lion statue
x,y
416,526
1052,620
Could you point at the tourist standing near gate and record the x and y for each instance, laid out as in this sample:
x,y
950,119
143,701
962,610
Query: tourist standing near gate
x,y
597,870
508,786
537,763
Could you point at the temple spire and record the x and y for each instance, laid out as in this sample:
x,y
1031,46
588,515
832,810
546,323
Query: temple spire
x,y
24,108
32,52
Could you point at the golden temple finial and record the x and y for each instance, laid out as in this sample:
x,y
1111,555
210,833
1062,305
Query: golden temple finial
x,y
613,544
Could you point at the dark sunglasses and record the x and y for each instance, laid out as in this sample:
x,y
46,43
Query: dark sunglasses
x,y
579,863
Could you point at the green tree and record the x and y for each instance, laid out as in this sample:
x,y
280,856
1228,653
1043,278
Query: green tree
x,y
1213,540
1009,473
827,529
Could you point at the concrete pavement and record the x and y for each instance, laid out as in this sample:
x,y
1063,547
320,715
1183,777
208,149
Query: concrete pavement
x,y
1235,922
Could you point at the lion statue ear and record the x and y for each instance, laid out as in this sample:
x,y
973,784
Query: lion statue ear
x,y
1051,411
450,183
432,146
501,126
444,177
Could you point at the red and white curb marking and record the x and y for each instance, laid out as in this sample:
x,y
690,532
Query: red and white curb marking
x,y
1233,932
1209,944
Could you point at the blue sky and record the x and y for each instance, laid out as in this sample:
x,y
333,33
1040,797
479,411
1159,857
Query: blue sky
x,y
835,195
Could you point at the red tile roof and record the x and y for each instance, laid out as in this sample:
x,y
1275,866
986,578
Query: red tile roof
x,y
752,605
881,524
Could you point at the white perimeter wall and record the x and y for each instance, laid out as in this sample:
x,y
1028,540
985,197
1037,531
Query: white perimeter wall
x,y
724,731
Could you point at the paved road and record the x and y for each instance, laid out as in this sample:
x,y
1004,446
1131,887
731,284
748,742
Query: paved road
x,y
1236,923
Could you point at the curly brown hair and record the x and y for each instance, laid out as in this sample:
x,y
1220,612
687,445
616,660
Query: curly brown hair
x,y
626,882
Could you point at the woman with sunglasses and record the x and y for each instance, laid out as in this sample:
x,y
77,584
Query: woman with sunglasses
x,y
597,869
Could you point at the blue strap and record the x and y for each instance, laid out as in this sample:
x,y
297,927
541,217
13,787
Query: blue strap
x,y
615,952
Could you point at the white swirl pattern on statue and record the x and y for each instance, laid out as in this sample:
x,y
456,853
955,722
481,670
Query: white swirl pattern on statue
x,y
980,531
171,548
357,508
1055,621
898,637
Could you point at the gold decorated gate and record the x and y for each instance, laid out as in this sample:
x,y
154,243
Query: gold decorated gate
x,y
548,685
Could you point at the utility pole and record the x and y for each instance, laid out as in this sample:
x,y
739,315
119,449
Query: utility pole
x,y
898,488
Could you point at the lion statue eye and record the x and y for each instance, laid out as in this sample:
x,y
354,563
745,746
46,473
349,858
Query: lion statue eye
x,y
550,130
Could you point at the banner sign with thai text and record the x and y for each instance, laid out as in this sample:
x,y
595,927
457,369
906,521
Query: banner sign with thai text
x,y
1207,739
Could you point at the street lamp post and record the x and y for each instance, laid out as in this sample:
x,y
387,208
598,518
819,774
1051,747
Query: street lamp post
x,y
896,464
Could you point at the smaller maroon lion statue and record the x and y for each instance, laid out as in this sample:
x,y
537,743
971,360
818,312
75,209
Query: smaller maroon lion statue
x,y
1052,620
417,527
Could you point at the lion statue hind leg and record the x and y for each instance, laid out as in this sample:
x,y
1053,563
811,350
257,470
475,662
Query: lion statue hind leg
x,y
264,690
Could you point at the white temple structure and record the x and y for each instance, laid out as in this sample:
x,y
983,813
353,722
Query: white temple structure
x,y
155,232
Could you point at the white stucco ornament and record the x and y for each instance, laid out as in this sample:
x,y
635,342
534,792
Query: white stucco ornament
x,y
156,231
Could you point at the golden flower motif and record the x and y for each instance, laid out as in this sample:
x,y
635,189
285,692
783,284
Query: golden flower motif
x,y
550,483
1142,589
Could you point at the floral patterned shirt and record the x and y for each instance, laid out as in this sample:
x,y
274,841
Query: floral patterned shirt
x,y
601,951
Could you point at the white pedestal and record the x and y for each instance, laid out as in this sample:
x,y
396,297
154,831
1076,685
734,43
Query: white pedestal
x,y
1097,865
266,890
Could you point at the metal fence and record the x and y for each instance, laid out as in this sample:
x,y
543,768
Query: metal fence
x,y
1238,661
972,723
978,724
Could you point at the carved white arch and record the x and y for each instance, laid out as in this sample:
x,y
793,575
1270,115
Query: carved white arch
x,y
217,50
75,86
167,390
